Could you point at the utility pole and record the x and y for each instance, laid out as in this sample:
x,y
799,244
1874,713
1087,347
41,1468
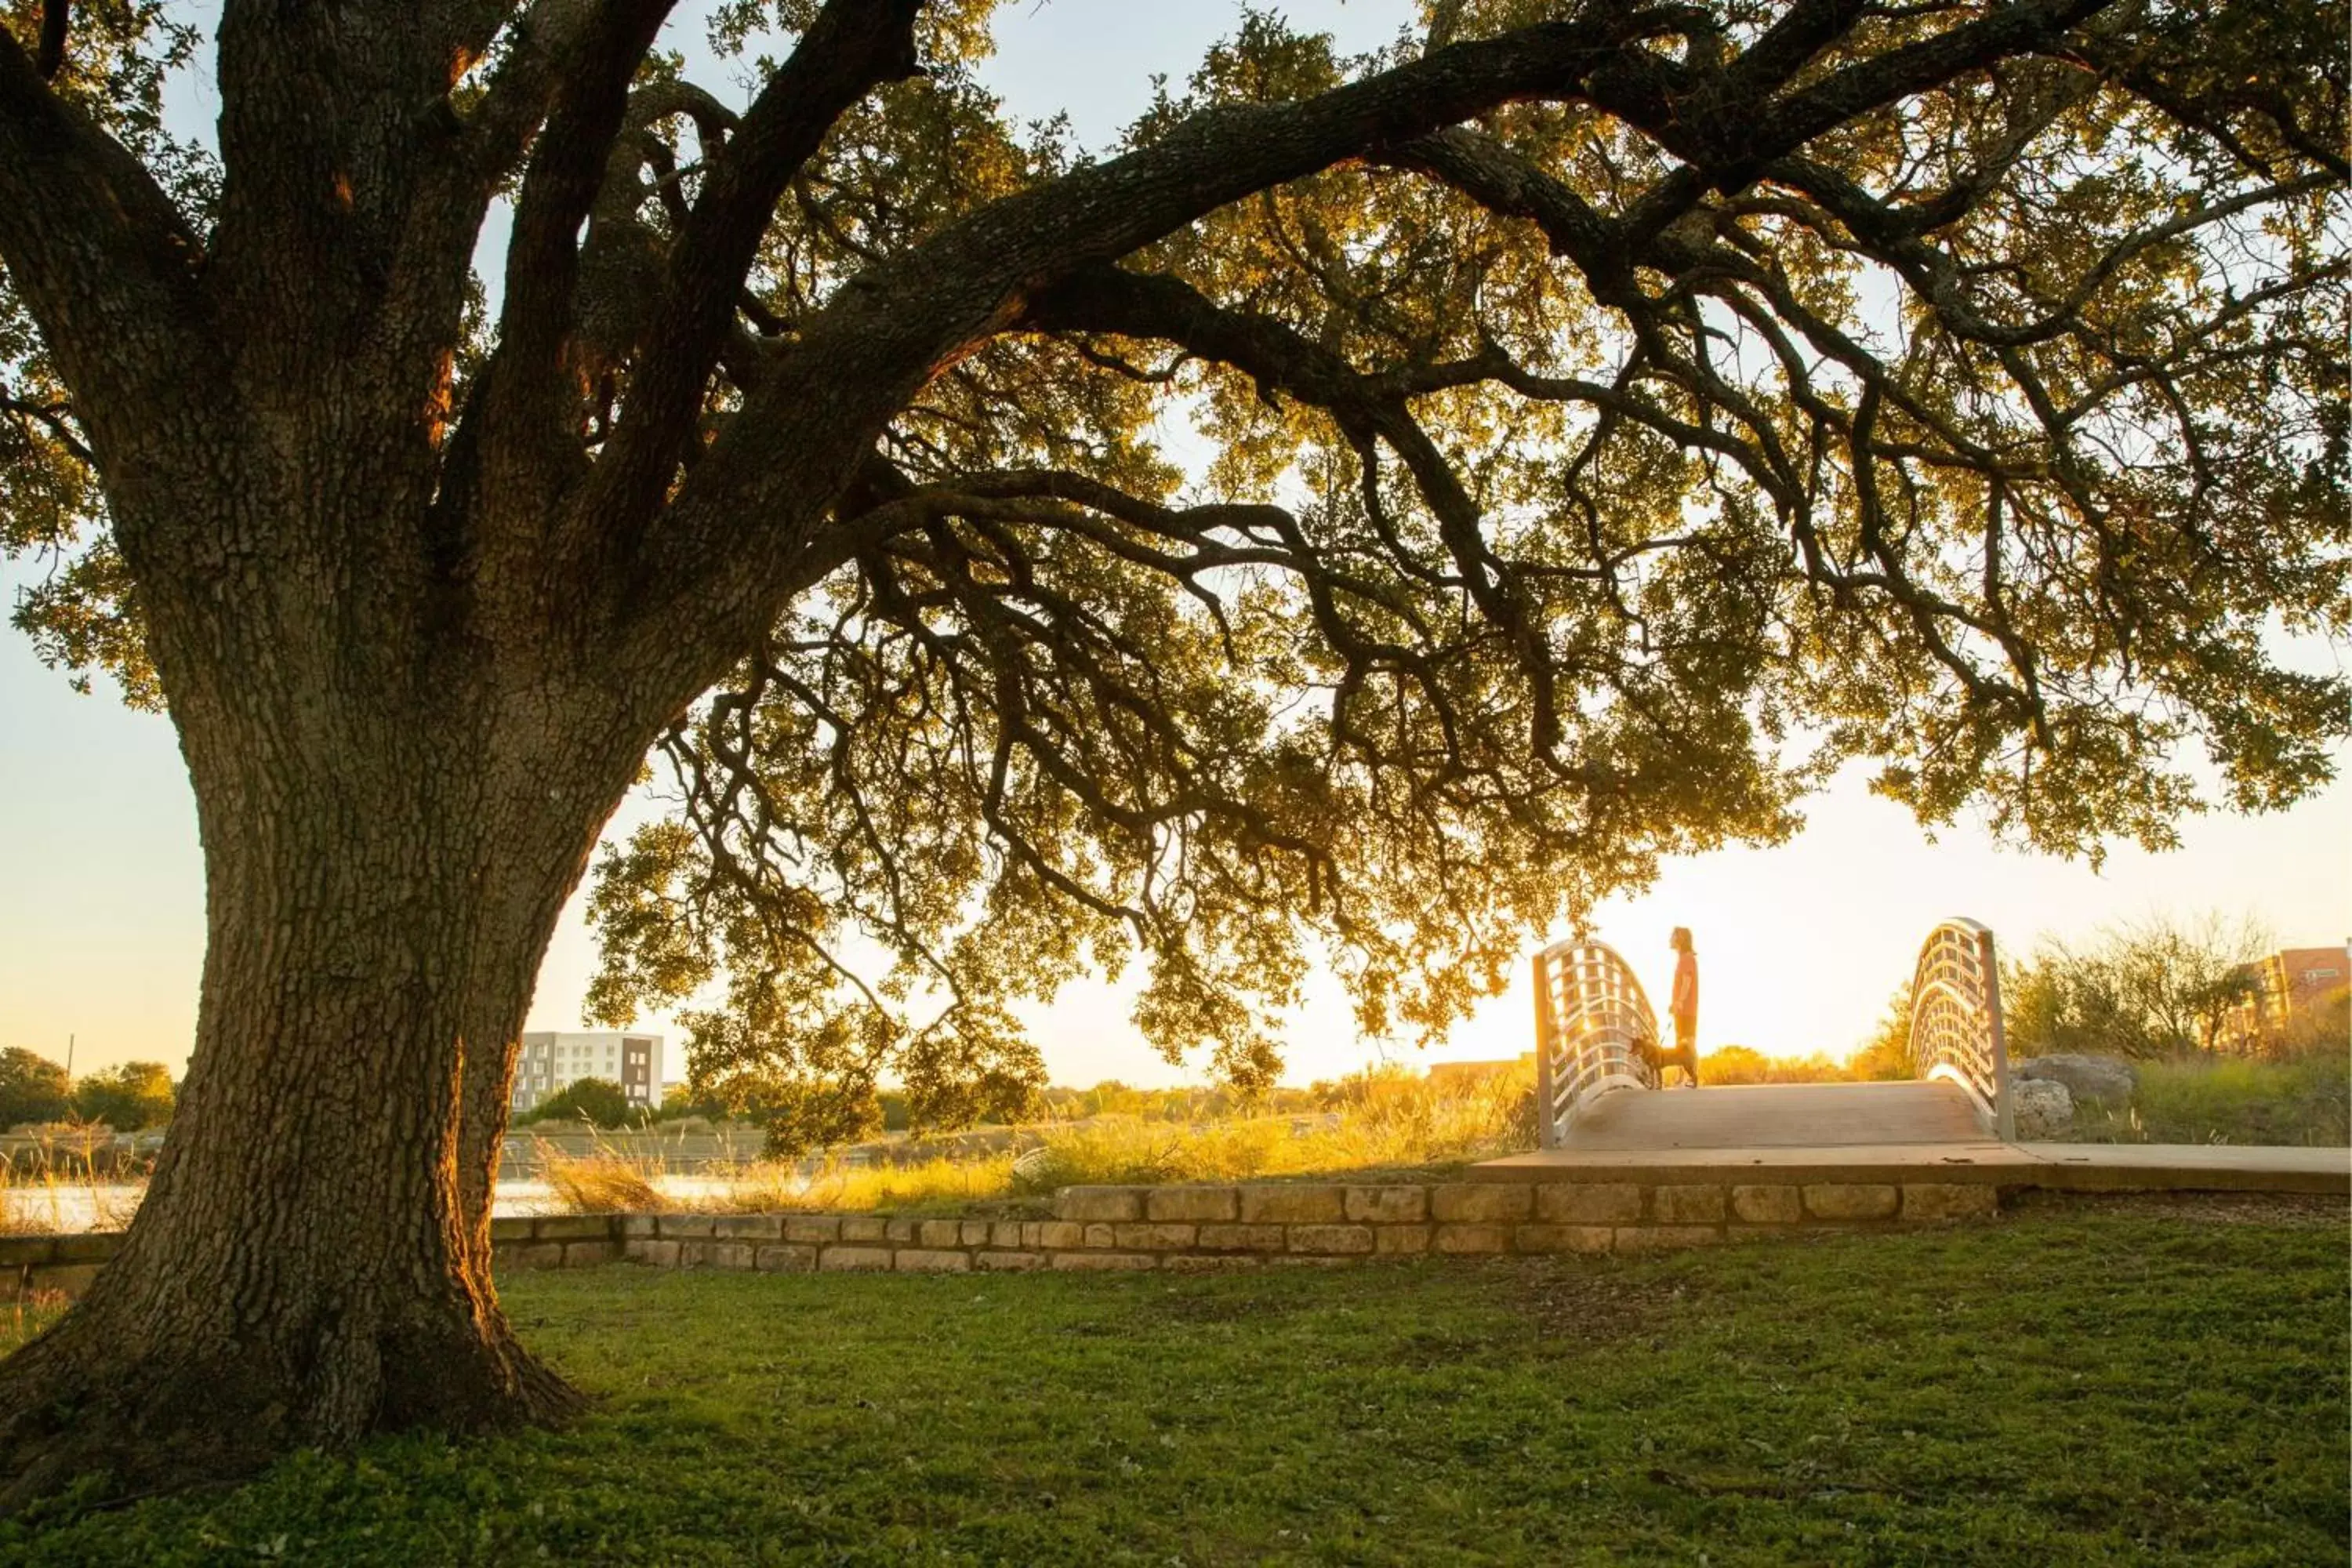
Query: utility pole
x,y
70,1046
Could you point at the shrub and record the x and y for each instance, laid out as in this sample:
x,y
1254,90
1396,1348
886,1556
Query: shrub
x,y
33,1088
598,1101
127,1098
1744,1064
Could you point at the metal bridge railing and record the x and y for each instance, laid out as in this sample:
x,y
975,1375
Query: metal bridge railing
x,y
1594,1032
1955,1024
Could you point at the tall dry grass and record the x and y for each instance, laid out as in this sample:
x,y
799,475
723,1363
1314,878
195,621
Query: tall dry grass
x,y
1386,1121
600,1183
2303,1100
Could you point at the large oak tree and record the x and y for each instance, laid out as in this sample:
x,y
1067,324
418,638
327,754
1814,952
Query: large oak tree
x,y
1616,415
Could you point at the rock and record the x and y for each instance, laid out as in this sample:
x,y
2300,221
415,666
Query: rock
x,y
2110,1081
2045,1111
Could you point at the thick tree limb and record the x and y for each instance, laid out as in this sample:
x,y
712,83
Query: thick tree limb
x,y
852,46
728,546
109,269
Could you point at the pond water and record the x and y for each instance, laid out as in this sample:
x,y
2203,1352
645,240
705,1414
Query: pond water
x,y
80,1206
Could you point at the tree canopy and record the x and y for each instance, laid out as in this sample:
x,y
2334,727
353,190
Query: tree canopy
x,y
129,1098
1373,511
32,1088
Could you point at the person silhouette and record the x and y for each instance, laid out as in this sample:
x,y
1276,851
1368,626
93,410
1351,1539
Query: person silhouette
x,y
1685,1006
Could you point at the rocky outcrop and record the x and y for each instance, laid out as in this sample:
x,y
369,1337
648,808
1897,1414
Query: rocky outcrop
x,y
2110,1080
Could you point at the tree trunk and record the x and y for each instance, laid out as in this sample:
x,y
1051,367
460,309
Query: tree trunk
x,y
311,1263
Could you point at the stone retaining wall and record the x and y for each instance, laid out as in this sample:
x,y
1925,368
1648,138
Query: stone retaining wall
x,y
1251,1226
1193,1228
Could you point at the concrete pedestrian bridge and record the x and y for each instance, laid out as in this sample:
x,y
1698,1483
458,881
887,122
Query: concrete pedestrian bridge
x,y
1607,1116
1778,1116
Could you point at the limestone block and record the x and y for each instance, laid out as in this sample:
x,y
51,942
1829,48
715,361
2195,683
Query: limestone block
x,y
589,1254
572,1227
863,1228
1009,1262
932,1260
1664,1237
853,1257
2045,1110
1286,1204
514,1228
98,1246
1192,1205
1107,1204
902,1232
1949,1200
942,1233
31,1251
789,1257
532,1255
748,1227
1768,1204
974,1232
685,1227
631,1225
811,1230
1388,1205
1141,1238
1239,1239
1851,1199
1562,1238
660,1254
1472,1238
1008,1234
1101,1235
729,1254
1687,1204
1588,1202
69,1280
1104,1262
1400,1240
1331,1238
1053,1233
1480,1203
1194,1263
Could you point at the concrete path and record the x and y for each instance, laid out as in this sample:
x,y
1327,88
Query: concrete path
x,y
1883,1132
1777,1116
2062,1167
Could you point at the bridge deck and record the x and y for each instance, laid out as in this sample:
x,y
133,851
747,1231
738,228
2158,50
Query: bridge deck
x,y
2067,1167
1777,1116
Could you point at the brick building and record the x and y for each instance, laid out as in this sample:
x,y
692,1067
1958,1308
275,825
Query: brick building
x,y
2286,985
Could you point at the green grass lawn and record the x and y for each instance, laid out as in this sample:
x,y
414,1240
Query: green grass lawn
x,y
2067,1385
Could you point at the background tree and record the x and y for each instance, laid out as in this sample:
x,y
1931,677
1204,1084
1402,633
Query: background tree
x,y
1624,415
1886,1053
129,1098
2161,986
598,1101
32,1088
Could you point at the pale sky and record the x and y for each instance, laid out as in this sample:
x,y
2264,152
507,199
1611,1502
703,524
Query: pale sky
x,y
101,883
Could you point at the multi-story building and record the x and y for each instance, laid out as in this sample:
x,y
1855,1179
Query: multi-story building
x,y
2289,982
552,1061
